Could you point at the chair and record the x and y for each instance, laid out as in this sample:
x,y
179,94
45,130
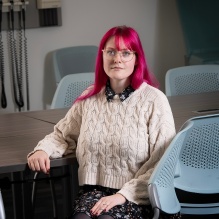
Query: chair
x,y
192,79
2,209
70,87
189,165
71,60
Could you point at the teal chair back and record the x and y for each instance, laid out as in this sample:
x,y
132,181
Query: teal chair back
x,y
192,79
70,87
190,165
75,59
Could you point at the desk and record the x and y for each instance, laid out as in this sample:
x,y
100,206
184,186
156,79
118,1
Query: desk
x,y
186,106
15,125
183,108
51,116
18,136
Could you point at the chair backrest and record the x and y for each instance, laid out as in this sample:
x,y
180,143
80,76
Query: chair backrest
x,y
191,164
2,209
199,157
161,183
70,87
71,60
192,79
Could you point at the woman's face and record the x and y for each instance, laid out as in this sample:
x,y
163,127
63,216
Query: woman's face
x,y
117,66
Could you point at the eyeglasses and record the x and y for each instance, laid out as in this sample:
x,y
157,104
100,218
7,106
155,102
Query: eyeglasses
x,y
125,55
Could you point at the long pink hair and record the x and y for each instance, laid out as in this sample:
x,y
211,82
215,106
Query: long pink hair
x,y
132,41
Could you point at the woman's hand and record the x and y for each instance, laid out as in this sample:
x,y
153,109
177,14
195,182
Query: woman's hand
x,y
107,202
39,161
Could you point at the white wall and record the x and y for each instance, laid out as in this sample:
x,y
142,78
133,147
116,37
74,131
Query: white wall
x,y
84,22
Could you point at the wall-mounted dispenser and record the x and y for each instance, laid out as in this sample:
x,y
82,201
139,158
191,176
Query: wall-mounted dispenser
x,y
48,12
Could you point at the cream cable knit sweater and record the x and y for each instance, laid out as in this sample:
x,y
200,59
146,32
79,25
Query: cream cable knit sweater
x,y
118,143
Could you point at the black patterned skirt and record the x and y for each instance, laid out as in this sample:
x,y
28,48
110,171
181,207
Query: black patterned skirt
x,y
88,196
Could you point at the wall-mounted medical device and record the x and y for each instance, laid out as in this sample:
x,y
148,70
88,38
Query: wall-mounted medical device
x,y
15,17
16,4
39,13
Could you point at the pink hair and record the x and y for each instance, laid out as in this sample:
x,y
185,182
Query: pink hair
x,y
132,41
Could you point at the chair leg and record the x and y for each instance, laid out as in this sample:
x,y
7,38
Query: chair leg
x,y
2,209
54,200
52,189
33,195
156,213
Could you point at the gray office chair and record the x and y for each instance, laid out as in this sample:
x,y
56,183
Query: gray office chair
x,y
2,209
71,60
192,79
190,165
70,87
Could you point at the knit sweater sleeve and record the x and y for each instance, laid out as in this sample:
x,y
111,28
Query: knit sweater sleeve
x,y
63,139
161,130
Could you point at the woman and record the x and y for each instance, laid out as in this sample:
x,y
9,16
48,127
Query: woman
x,y
119,128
